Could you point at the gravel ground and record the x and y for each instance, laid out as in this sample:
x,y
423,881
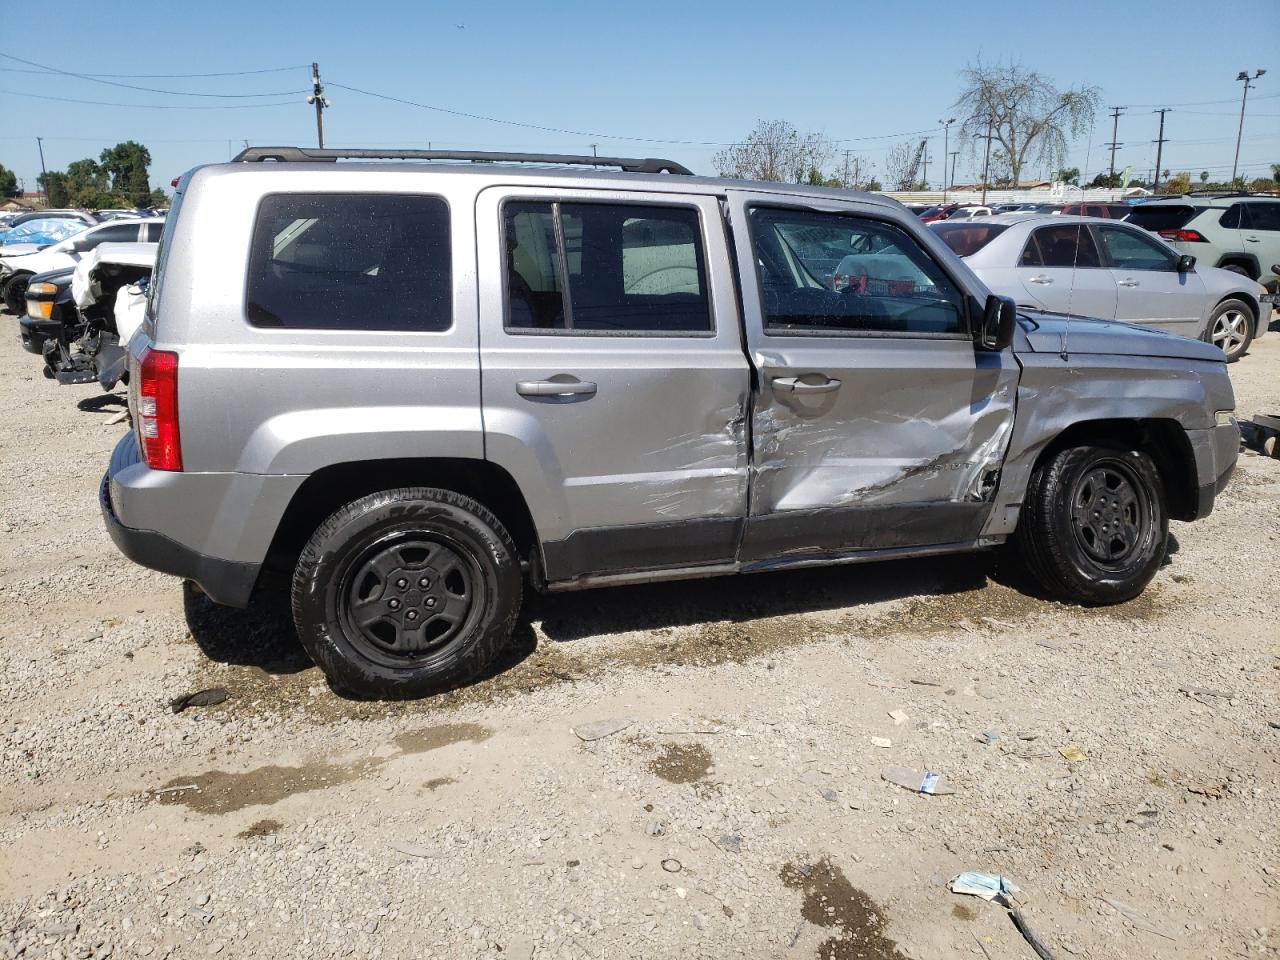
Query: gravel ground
x,y
736,809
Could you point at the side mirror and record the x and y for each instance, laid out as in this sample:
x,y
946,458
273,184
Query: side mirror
x,y
1186,263
998,319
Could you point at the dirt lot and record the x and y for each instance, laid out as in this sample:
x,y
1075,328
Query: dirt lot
x,y
738,812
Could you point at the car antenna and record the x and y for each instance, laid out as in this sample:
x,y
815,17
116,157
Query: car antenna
x,y
1063,352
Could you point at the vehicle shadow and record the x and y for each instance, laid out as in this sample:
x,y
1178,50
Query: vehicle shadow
x,y
101,403
566,617
261,635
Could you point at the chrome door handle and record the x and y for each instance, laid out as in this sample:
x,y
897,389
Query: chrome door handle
x,y
1127,282
1252,240
552,388
1041,279
796,385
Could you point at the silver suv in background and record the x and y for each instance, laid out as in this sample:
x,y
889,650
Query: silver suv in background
x,y
409,386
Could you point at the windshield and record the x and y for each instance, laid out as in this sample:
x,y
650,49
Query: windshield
x,y
967,238
50,230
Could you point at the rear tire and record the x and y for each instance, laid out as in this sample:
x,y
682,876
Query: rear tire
x,y
1231,328
406,593
1094,526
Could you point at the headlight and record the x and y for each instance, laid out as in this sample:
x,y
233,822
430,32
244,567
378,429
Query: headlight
x,y
41,289
40,309
1225,418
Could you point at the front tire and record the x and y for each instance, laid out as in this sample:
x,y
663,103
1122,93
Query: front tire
x,y
1094,526
1231,328
15,292
406,593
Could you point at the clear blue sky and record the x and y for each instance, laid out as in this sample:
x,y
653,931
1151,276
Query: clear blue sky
x,y
689,71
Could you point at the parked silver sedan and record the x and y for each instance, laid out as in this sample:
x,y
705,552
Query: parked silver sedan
x,y
1092,267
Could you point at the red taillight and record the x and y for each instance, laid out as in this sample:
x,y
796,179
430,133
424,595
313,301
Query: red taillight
x,y
1186,236
158,409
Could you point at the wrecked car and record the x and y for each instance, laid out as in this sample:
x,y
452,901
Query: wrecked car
x,y
402,388
80,320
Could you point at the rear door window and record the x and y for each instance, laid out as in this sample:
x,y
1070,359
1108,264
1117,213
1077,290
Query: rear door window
x,y
116,233
351,262
967,238
1264,216
1068,245
598,268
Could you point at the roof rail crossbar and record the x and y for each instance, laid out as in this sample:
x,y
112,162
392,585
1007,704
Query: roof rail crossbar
x,y
309,154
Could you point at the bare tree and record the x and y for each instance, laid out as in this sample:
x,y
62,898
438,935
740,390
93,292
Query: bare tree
x,y
901,165
1031,120
776,151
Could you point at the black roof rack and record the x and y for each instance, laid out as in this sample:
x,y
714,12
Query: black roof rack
x,y
309,154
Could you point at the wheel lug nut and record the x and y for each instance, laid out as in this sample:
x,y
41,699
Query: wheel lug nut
x,y
394,604
402,583
431,601
424,583
412,615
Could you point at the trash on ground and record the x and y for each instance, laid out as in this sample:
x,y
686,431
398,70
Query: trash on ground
x,y
1139,919
1213,790
988,886
1024,928
1072,754
899,717
1048,645
413,849
988,737
672,865
882,742
918,781
599,729
201,698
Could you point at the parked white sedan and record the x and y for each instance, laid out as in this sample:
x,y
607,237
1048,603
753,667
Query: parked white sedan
x,y
1091,267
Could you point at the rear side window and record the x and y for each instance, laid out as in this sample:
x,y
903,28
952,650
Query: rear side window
x,y
967,238
1231,219
1264,216
605,268
1157,217
1070,245
351,262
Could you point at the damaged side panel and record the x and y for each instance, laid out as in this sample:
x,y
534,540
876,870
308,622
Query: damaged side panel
x,y
907,451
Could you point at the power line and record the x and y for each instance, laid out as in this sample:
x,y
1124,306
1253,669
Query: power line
x,y
166,76
588,133
150,106
134,86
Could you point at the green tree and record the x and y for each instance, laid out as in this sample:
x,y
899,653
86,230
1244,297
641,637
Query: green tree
x,y
126,165
54,185
159,198
1275,172
1104,181
1204,176
776,151
8,182
1178,183
87,185
1068,175
1029,117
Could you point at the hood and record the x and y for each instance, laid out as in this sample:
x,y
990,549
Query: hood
x,y
1045,332
20,249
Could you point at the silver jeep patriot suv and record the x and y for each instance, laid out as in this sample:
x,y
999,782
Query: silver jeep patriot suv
x,y
409,386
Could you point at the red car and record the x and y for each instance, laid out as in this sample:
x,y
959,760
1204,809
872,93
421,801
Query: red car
x,y
938,213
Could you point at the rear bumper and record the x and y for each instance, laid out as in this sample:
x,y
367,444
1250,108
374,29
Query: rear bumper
x,y
213,528
225,581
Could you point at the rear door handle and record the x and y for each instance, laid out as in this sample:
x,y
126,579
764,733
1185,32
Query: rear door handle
x,y
1127,282
1252,240
796,385
1042,279
552,388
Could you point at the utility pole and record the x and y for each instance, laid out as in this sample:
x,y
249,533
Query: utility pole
x,y
318,98
44,176
946,145
924,173
1159,147
986,160
952,178
845,178
1244,76
1115,127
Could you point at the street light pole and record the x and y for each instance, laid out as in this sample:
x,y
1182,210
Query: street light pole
x,y
986,160
1243,76
946,130
44,176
